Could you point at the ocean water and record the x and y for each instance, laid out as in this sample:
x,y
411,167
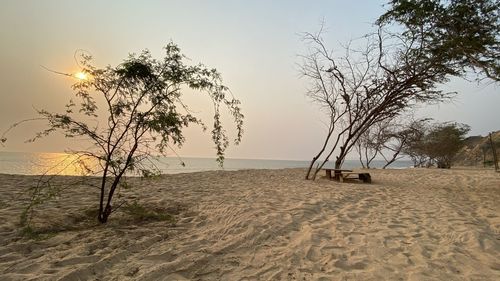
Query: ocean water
x,y
25,163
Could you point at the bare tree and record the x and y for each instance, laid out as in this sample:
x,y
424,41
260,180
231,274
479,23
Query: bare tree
x,y
388,139
397,139
398,135
414,146
365,86
372,142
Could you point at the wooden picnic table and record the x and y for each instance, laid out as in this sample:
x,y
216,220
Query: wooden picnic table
x,y
336,173
342,175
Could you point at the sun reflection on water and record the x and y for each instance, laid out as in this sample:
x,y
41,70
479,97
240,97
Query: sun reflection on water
x,y
46,163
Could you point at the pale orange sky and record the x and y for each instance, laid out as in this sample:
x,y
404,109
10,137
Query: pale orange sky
x,y
254,44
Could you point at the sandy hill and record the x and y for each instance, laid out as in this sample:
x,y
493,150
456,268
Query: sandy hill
x,y
477,151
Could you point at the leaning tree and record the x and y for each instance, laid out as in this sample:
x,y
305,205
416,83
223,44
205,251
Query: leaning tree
x,y
365,86
140,101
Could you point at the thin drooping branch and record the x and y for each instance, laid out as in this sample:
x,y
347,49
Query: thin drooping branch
x,y
141,98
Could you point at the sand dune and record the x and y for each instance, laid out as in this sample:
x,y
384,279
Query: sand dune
x,y
414,224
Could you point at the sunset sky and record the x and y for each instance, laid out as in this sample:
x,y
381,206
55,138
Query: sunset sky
x,y
254,44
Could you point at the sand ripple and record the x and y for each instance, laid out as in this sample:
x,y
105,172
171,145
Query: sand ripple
x,y
414,224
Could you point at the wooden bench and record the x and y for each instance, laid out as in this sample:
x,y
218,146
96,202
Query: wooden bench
x,y
365,177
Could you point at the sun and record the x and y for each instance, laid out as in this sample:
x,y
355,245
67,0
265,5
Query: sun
x,y
81,75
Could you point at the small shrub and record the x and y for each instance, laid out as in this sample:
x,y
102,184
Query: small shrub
x,y
141,213
30,233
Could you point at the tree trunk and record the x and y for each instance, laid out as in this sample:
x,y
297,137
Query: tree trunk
x,y
360,153
107,210
493,149
340,158
310,167
371,159
338,163
393,159
103,217
327,139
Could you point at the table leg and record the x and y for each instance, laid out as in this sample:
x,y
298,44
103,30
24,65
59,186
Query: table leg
x,y
329,174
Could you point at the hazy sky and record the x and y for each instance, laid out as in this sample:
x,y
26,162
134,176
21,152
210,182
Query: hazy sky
x,y
254,44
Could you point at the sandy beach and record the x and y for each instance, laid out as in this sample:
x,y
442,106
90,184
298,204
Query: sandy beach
x,y
412,224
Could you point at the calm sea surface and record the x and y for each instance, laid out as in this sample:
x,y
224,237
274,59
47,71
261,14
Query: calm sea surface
x,y
61,163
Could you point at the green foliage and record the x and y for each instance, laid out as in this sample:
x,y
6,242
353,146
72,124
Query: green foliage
x,y
436,144
444,141
84,219
454,35
141,213
489,163
30,233
89,213
42,192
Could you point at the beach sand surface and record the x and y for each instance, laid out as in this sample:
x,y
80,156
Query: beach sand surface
x,y
409,224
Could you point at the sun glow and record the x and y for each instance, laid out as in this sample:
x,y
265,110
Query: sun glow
x,y
81,75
